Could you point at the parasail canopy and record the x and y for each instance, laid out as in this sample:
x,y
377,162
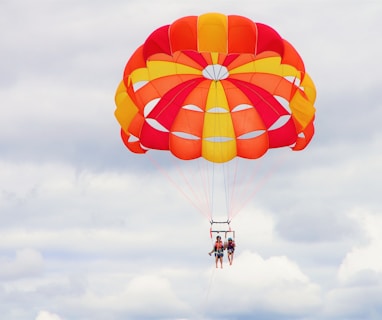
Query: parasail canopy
x,y
217,87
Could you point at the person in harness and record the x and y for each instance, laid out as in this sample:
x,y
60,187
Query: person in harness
x,y
230,250
218,248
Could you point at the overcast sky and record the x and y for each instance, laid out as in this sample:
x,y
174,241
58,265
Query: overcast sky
x,y
90,231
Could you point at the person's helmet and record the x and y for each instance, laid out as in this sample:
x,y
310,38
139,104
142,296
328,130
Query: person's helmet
x,y
229,239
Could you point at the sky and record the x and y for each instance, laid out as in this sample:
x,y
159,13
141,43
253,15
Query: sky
x,y
89,230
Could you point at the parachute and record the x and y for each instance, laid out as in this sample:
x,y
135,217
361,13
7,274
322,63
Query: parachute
x,y
215,87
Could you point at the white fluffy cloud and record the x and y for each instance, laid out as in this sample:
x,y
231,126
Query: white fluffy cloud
x,y
275,283
46,315
365,256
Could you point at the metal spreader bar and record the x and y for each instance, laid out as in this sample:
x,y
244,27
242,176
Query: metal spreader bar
x,y
221,227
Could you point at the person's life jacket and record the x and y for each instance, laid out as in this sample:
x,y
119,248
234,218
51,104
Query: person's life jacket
x,y
219,245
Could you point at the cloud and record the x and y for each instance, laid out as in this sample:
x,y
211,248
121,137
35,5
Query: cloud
x,y
364,258
157,293
26,263
357,301
46,315
275,284
359,289
131,297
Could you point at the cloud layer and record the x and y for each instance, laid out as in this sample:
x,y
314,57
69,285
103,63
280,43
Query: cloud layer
x,y
91,231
